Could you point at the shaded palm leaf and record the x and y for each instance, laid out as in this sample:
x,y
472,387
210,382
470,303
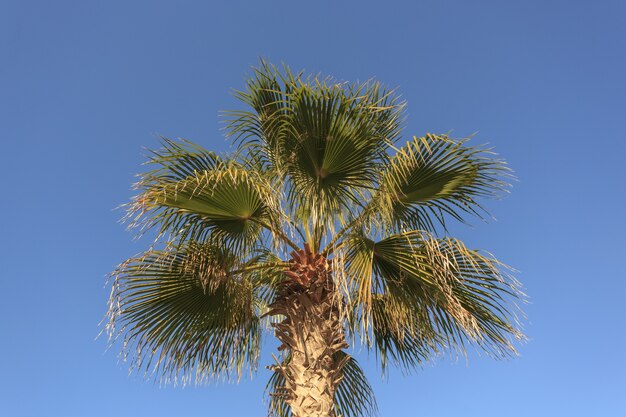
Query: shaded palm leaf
x,y
423,295
184,315
403,334
266,271
262,130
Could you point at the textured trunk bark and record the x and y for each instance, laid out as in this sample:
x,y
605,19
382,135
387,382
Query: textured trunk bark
x,y
312,333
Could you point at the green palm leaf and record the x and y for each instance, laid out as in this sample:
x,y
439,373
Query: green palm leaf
x,y
402,333
177,161
262,130
419,295
195,195
433,177
183,313
325,139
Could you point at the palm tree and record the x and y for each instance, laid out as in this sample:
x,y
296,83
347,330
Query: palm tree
x,y
321,227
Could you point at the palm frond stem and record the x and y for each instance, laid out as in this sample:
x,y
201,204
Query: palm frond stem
x,y
277,232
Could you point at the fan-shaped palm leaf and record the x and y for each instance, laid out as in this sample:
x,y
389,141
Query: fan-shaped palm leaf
x,y
421,295
325,139
434,176
195,195
183,313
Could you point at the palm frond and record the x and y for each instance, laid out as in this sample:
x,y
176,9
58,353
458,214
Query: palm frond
x,y
183,314
434,177
424,295
178,160
325,139
261,130
266,272
402,334
354,396
195,195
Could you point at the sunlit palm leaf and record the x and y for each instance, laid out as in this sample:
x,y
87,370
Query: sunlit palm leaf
x,y
433,177
176,161
326,139
354,396
194,195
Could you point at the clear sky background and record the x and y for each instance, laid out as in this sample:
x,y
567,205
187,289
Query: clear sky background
x,y
85,85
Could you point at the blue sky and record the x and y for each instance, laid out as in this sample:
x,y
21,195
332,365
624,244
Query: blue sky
x,y
85,85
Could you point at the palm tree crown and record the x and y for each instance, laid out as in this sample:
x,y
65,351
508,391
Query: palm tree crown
x,y
323,227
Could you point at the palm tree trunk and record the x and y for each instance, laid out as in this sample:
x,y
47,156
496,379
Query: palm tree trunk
x,y
312,333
